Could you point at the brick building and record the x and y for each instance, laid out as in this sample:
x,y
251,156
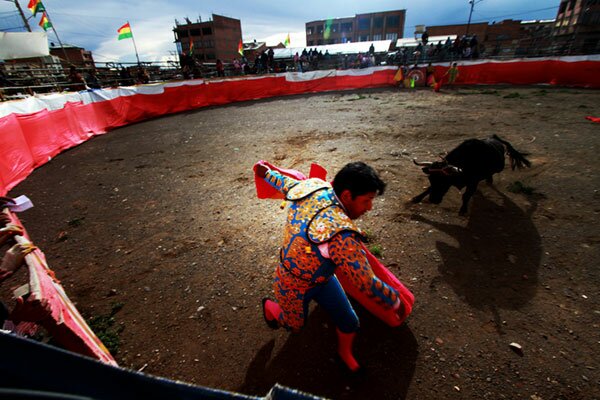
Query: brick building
x,y
577,27
386,25
77,56
507,38
215,39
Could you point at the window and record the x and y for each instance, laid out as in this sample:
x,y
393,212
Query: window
x,y
309,30
391,36
335,28
310,42
320,29
377,37
195,32
207,31
363,38
378,22
346,27
392,21
182,34
364,24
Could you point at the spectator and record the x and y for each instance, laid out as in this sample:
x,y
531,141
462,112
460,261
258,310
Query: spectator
x,y
75,79
142,75
220,68
92,80
425,38
371,49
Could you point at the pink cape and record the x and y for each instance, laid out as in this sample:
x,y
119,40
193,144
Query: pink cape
x,y
387,315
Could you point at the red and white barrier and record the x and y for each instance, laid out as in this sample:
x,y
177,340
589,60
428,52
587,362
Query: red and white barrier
x,y
34,130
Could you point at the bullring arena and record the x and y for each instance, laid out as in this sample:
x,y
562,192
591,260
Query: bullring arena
x,y
155,221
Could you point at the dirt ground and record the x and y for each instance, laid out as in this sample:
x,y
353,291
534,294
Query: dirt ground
x,y
159,223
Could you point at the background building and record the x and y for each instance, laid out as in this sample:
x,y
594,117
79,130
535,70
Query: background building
x,y
577,27
214,39
72,55
387,25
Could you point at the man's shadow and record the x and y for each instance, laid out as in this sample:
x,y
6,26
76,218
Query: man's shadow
x,y
307,361
495,265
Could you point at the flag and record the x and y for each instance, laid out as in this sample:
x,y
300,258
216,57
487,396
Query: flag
x,y
44,22
286,43
241,48
35,6
125,32
191,52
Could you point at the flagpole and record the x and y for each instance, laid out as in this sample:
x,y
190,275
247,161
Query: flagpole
x,y
57,38
134,46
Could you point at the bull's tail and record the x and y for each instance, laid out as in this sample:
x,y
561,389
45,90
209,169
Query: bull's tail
x,y
517,160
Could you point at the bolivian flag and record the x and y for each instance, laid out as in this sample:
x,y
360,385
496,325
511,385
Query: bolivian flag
x,y
44,22
241,48
125,32
286,43
35,6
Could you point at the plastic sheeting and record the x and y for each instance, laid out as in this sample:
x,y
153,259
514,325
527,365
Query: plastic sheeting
x,y
66,325
23,45
33,370
34,130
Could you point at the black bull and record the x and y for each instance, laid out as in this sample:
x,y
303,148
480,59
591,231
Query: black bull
x,y
472,161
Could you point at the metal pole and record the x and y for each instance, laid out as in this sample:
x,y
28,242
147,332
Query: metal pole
x,y
22,15
57,38
134,46
470,14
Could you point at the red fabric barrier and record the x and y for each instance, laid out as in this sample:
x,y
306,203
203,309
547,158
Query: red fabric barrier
x,y
35,137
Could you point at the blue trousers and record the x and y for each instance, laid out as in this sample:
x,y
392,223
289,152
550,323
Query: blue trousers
x,y
333,299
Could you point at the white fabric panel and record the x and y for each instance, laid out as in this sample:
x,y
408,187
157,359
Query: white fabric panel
x,y
23,45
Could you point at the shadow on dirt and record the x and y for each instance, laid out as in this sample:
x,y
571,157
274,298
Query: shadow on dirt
x,y
307,361
497,258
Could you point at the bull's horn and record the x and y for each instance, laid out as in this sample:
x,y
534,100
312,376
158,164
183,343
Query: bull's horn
x,y
422,164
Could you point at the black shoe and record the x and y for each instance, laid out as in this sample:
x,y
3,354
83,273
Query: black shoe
x,y
273,324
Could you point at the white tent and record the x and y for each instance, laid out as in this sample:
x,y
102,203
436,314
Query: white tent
x,y
381,46
412,42
23,45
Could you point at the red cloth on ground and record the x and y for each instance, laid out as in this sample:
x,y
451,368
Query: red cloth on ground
x,y
593,119
391,317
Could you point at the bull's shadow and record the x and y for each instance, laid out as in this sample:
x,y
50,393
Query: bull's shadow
x,y
495,265
307,361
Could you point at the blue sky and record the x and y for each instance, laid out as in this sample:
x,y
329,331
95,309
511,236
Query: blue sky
x,y
93,24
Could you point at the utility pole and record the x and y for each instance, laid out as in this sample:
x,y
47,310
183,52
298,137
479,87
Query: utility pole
x,y
472,3
25,22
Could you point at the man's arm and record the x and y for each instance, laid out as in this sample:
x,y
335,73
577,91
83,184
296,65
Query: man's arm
x,y
346,252
278,181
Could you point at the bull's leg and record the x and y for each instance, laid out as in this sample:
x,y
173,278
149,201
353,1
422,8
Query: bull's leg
x,y
419,198
466,197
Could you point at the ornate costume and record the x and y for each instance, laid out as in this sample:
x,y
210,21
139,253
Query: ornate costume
x,y
320,238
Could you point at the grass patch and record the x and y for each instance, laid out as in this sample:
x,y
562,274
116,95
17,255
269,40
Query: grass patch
x,y
490,91
360,97
514,95
520,187
76,222
103,327
376,250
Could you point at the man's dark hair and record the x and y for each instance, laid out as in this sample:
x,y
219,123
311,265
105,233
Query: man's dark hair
x,y
359,178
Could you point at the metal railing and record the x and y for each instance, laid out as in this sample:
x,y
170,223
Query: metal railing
x,y
19,81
